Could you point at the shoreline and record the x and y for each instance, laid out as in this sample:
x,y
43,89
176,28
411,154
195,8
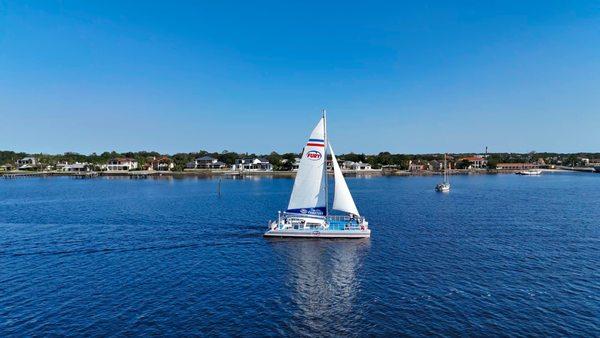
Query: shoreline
x,y
283,174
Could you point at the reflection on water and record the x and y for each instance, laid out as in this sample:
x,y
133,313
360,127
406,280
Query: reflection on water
x,y
323,277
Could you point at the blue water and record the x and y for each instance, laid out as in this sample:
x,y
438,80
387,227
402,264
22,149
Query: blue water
x,y
500,254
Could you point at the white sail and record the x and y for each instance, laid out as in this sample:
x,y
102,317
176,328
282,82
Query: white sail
x,y
342,199
309,193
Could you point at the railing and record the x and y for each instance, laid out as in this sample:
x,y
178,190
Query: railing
x,y
330,217
345,218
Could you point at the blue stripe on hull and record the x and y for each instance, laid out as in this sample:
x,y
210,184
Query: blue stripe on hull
x,y
320,211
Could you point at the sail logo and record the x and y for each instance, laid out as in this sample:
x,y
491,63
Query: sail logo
x,y
314,155
311,211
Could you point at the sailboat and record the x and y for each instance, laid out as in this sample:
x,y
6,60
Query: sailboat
x,y
308,213
445,185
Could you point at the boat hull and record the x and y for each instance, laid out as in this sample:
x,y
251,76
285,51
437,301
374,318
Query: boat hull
x,y
319,233
529,173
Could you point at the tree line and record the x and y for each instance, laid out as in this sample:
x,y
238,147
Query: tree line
x,y
285,161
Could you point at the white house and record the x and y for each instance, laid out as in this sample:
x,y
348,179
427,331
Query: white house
x,y
477,162
252,164
121,164
296,164
356,166
77,167
27,163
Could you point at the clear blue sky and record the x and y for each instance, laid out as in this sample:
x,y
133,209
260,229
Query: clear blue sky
x,y
408,77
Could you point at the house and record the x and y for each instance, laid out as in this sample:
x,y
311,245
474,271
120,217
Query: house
x,y
61,165
516,166
436,165
77,167
296,164
356,166
252,164
121,164
417,166
6,167
161,164
477,162
346,165
594,162
206,162
27,163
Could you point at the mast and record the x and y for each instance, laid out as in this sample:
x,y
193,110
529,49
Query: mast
x,y
445,169
325,162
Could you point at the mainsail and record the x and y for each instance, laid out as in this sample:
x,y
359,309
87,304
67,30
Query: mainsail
x,y
342,199
309,195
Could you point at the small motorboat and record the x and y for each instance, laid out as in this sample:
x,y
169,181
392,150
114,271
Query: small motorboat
x,y
529,172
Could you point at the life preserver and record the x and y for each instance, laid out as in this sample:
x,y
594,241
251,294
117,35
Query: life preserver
x,y
362,227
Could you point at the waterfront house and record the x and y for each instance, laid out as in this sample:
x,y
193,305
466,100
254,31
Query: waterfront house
x,y
296,164
121,164
207,162
252,164
355,166
418,166
77,167
516,166
60,166
476,162
436,165
161,164
594,162
27,163
6,167
346,165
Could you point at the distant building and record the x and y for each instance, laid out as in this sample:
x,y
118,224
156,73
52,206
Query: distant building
x,y
296,164
121,164
356,166
436,165
27,163
477,162
76,167
206,162
6,167
516,166
252,164
594,162
162,164
417,166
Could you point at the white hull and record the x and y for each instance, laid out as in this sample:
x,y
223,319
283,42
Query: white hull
x,y
530,172
319,233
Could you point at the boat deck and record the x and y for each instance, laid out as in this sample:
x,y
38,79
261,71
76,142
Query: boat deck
x,y
343,225
338,228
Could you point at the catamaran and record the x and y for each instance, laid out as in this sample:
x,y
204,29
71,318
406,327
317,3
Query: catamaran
x,y
308,213
445,185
